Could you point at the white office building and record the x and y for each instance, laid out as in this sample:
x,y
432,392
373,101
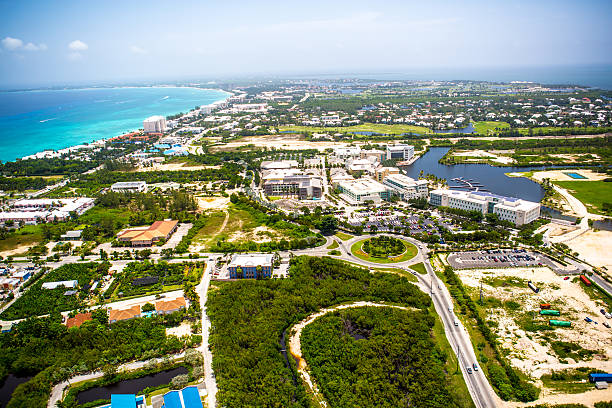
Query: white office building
x,y
358,191
129,187
406,187
155,124
349,152
510,209
400,152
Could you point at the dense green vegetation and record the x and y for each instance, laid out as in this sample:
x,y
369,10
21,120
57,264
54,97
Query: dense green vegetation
x,y
377,357
394,129
249,317
24,183
504,379
37,301
384,249
44,347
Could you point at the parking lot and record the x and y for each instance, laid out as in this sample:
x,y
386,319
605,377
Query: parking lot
x,y
499,258
388,221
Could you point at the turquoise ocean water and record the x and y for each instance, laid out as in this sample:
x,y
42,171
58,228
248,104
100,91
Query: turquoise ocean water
x,y
33,121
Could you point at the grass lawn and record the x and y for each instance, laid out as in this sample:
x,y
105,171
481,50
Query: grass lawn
x,y
213,223
420,268
486,127
592,193
343,236
409,253
398,271
333,245
26,235
367,127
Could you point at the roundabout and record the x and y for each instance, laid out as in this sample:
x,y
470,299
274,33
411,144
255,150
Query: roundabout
x,y
384,249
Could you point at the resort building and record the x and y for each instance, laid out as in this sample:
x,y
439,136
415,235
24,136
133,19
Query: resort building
x,y
400,152
159,230
170,306
510,209
406,187
358,191
116,315
155,124
129,187
250,266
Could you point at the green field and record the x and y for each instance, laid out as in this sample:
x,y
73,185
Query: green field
x,y
333,245
367,127
343,236
486,127
593,194
420,268
410,252
25,236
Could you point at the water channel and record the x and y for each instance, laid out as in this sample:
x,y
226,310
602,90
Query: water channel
x,y
8,386
133,386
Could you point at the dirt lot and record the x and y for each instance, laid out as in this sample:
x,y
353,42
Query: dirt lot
x,y
281,141
595,247
175,166
559,175
531,350
213,203
486,155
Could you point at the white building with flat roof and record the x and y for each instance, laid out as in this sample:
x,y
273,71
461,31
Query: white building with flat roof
x,y
360,190
61,284
154,124
129,187
511,209
406,187
349,152
400,152
32,211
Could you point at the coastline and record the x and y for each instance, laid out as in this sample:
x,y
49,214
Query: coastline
x,y
102,141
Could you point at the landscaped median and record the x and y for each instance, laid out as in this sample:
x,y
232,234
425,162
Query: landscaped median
x,y
384,249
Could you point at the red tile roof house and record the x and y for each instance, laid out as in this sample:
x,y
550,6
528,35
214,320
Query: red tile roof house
x,y
146,237
78,320
124,314
170,306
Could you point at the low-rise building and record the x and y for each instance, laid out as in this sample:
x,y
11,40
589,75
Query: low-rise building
x,y
302,185
360,190
117,315
250,266
72,235
378,155
279,165
129,187
349,152
32,211
511,209
78,320
146,237
70,284
170,306
382,172
406,187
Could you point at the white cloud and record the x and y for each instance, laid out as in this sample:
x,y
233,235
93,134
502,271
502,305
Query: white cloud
x,y
78,45
11,43
33,47
137,50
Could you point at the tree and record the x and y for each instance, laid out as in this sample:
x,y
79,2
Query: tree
x,y
328,225
148,307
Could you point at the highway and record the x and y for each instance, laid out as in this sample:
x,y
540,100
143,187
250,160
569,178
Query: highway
x,y
478,385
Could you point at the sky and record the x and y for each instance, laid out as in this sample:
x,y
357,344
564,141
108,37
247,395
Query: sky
x,y
63,42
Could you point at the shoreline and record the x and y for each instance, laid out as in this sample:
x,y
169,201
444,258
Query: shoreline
x,y
101,142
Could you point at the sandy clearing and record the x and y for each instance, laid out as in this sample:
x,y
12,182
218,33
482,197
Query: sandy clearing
x,y
282,141
184,329
559,175
588,398
212,203
529,352
19,250
595,247
485,155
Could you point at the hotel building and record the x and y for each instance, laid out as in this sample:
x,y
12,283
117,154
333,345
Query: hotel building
x,y
154,124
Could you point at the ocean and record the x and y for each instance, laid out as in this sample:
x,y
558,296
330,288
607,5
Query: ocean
x,y
33,121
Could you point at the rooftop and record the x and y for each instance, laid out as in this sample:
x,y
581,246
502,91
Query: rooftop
x,y
251,259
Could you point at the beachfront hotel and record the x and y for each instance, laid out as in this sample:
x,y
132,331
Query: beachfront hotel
x,y
511,209
155,124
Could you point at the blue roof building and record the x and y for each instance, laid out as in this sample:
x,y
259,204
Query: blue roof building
x,y
188,397
126,401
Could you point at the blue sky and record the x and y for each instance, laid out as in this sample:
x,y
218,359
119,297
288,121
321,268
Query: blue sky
x,y
60,41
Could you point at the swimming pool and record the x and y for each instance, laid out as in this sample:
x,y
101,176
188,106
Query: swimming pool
x,y
576,176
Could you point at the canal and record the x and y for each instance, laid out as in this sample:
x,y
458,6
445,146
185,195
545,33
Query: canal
x,y
8,386
133,386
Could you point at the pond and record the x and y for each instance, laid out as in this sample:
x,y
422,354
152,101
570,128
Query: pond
x,y
8,386
133,386
490,178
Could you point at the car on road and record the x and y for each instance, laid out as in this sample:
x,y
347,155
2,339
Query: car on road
x,y
469,370
456,323
475,366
